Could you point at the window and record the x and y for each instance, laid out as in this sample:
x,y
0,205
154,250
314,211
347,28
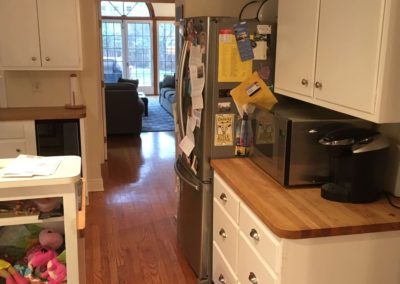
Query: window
x,y
112,50
127,9
128,49
166,49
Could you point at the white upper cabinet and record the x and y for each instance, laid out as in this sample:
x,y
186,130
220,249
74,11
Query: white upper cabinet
x,y
40,35
341,55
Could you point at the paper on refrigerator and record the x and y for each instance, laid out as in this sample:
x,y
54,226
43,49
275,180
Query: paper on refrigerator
x,y
195,55
187,144
197,85
197,115
230,67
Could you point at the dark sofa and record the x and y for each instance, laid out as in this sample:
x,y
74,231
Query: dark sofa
x,y
167,93
124,108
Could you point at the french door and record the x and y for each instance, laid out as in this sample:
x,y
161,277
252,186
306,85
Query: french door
x,y
128,52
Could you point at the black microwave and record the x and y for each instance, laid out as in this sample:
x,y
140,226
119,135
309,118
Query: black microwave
x,y
286,141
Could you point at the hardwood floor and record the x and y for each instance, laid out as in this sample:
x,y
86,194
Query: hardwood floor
x,y
130,227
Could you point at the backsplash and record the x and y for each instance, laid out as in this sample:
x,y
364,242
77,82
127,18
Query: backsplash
x,y
37,88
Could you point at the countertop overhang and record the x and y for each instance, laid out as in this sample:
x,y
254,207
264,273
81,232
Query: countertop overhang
x,y
41,113
301,212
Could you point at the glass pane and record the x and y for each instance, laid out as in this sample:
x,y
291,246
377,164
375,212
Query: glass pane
x,y
112,51
136,9
166,49
140,54
121,8
112,8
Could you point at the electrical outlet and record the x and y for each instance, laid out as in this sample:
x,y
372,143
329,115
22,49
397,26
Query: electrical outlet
x,y
35,86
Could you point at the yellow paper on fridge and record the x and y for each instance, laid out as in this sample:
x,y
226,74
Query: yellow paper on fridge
x,y
253,91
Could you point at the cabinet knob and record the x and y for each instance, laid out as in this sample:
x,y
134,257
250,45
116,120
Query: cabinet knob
x,y
254,234
221,279
34,58
304,82
47,58
318,85
222,233
223,197
253,278
18,150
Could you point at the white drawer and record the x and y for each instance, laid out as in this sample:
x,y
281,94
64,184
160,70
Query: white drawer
x,y
225,234
222,272
251,268
268,245
226,197
12,148
12,129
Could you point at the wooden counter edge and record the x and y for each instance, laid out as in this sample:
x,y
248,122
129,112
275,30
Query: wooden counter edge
x,y
307,233
41,113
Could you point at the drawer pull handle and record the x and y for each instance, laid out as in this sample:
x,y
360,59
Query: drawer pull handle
x,y
304,82
318,85
253,278
222,233
223,197
18,150
254,234
47,58
221,279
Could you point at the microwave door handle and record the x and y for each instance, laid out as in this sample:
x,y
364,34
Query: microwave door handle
x,y
179,91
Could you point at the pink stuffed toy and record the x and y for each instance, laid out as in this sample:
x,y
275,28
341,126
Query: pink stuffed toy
x,y
41,258
50,239
56,272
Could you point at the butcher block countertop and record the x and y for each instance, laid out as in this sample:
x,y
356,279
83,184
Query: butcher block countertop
x,y
302,212
41,113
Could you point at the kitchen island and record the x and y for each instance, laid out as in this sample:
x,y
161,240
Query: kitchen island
x,y
264,233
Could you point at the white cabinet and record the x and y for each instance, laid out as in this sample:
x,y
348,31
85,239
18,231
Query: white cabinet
x,y
40,34
17,137
247,251
65,183
340,56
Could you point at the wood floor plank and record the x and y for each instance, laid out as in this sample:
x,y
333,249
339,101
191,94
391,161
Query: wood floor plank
x,y
131,227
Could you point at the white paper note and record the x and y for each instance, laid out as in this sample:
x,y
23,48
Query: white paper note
x,y
186,145
195,55
260,51
197,115
264,29
197,102
192,122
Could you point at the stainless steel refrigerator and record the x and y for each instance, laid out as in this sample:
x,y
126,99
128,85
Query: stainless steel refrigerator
x,y
194,218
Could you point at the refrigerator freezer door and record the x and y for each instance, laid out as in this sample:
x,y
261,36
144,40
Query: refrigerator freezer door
x,y
194,222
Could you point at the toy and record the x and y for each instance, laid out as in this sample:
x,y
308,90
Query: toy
x,y
56,272
48,204
41,258
12,276
50,239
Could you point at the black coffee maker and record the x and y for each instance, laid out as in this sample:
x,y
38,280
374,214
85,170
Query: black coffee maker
x,y
357,164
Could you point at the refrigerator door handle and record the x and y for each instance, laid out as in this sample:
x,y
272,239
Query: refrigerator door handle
x,y
181,71
182,177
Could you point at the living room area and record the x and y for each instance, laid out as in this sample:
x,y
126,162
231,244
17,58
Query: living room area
x,y
139,59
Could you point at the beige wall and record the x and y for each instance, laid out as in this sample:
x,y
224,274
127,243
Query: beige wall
x,y
51,88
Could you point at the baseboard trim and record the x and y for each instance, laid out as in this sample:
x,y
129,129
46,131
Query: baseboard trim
x,y
95,184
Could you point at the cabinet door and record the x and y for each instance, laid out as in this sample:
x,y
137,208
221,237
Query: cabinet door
x,y
59,33
349,40
19,34
296,47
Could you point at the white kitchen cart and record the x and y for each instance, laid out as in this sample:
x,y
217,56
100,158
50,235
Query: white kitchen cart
x,y
66,183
